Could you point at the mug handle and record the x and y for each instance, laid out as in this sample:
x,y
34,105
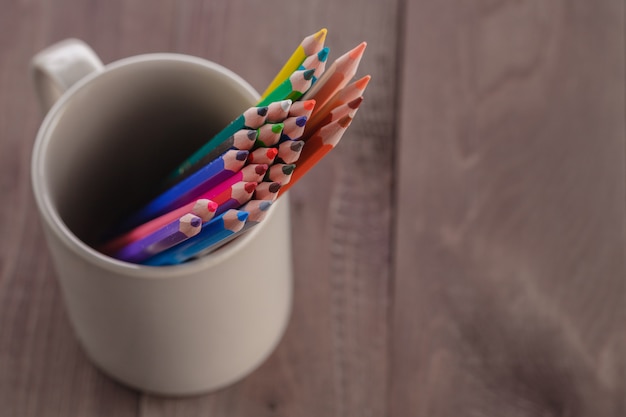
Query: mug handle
x,y
58,67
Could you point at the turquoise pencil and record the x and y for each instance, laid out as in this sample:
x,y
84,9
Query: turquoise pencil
x,y
210,236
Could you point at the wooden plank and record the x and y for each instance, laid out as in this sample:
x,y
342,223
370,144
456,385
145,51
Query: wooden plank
x,y
333,358
509,285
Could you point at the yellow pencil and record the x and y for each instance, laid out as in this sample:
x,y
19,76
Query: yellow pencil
x,y
310,45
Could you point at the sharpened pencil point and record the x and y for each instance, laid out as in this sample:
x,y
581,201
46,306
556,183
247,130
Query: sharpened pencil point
x,y
288,169
296,145
265,204
262,111
285,105
308,104
308,74
301,121
344,121
358,51
278,127
274,187
354,104
261,169
252,134
362,82
242,216
242,155
271,152
323,54
250,187
321,35
196,221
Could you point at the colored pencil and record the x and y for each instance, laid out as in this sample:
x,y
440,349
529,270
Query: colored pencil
x,y
302,108
253,118
292,88
294,128
289,151
279,173
252,172
243,139
337,76
234,196
278,111
263,156
348,109
203,208
191,187
316,148
316,62
210,235
161,239
267,191
269,134
309,46
257,212
341,97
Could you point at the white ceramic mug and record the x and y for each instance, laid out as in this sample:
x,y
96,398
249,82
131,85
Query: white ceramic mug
x,y
110,133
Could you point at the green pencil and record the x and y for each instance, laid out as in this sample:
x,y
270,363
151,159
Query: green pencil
x,y
292,88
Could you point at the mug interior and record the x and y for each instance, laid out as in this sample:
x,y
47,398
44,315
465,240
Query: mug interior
x,y
111,141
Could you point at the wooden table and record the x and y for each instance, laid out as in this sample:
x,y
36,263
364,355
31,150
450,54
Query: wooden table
x,y
461,253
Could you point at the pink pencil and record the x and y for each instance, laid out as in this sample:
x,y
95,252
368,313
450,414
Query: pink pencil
x,y
161,239
203,208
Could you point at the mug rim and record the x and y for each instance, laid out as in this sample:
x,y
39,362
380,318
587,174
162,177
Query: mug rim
x,y
52,218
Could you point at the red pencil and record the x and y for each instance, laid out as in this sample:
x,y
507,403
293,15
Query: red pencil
x,y
316,148
336,76
263,156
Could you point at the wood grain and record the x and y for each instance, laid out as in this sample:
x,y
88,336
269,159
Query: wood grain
x,y
510,276
461,253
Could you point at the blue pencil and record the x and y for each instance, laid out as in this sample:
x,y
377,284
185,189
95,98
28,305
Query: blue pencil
x,y
161,239
191,187
210,236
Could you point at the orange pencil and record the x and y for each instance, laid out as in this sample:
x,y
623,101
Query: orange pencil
x,y
316,148
348,109
302,108
336,76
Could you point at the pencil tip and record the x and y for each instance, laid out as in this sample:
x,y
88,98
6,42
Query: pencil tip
x,y
264,205
252,134
271,152
308,74
358,51
296,145
288,168
242,215
274,187
323,54
354,104
301,121
261,169
278,127
321,34
242,155
362,82
345,121
285,104
309,104
250,187
262,111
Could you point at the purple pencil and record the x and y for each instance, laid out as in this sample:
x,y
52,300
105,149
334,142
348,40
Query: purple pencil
x,y
164,238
